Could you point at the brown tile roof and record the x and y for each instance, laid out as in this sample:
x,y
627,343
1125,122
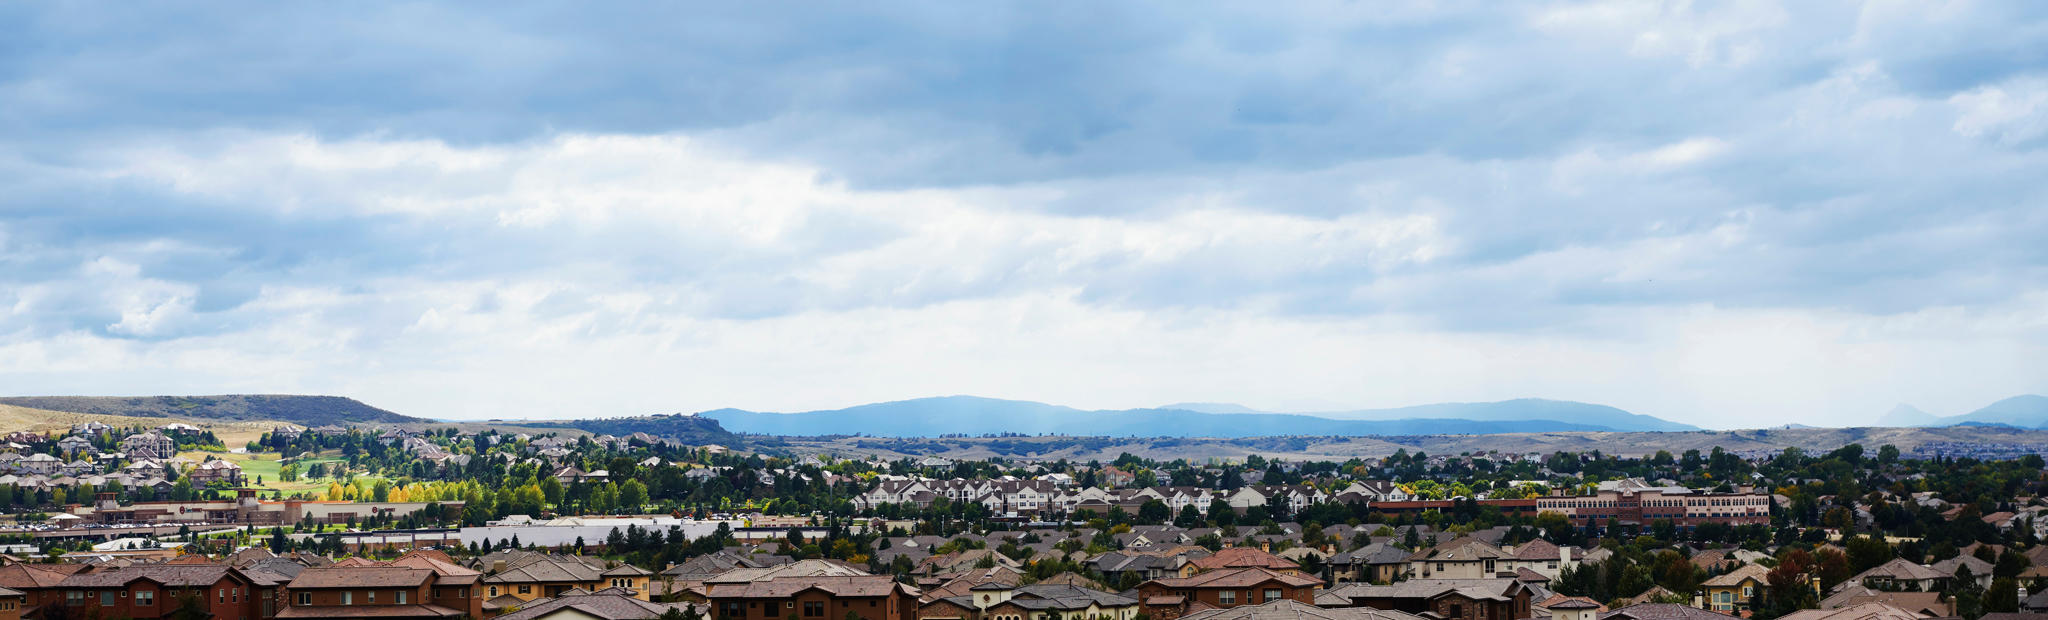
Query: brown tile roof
x,y
361,577
600,605
1866,611
1461,549
1244,557
1736,577
1538,549
1661,611
369,611
784,587
1288,609
20,576
449,571
1561,601
1236,578
174,575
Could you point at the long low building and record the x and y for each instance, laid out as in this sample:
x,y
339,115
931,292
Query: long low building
x,y
244,509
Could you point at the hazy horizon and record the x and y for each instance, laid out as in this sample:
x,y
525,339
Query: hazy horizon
x,y
1731,216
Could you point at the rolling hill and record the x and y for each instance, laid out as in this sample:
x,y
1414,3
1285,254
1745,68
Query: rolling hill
x,y
301,410
972,415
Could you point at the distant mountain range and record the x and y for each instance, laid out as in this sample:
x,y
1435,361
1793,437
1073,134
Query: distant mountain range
x,y
973,415
301,410
2023,411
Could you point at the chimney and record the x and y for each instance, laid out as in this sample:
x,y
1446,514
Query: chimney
x,y
1564,556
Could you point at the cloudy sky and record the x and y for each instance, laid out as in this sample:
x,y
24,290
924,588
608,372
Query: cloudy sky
x,y
1736,214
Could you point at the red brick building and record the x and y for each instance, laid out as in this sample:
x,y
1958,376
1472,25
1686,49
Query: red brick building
x,y
1165,599
157,590
371,592
871,597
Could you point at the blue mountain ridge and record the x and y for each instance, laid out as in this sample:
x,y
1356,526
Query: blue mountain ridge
x,y
971,415
2023,411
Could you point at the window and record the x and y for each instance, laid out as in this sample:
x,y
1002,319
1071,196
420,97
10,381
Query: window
x,y
525,589
1227,597
107,598
74,598
305,598
732,610
373,595
494,591
145,598
814,609
348,597
399,597
1272,594
1747,590
221,593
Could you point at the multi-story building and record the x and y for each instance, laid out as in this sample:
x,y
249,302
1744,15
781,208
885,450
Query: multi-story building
x,y
1165,599
216,471
156,591
868,597
384,591
1643,506
1449,599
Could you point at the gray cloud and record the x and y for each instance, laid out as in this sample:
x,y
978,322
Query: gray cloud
x,y
203,177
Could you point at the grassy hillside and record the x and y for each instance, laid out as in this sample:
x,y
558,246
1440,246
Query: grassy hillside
x,y
301,410
18,418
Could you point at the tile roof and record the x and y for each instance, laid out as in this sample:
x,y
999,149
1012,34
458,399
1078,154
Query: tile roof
x,y
369,611
174,575
19,576
1903,570
784,587
1461,549
1661,611
1866,611
1242,557
361,577
1287,609
1236,578
606,605
801,568
1735,577
1494,589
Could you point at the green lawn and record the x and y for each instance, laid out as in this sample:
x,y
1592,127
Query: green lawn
x,y
267,466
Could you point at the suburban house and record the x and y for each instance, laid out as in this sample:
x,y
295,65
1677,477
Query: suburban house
x,y
376,591
1448,599
158,590
1462,558
1734,591
869,597
1224,588
1002,601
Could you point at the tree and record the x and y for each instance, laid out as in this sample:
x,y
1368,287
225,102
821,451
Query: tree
x,y
2002,596
1153,512
632,495
189,608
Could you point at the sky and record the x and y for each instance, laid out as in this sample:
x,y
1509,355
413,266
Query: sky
x,y
1736,214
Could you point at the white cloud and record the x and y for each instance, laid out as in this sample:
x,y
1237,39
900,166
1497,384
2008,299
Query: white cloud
x,y
2012,112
